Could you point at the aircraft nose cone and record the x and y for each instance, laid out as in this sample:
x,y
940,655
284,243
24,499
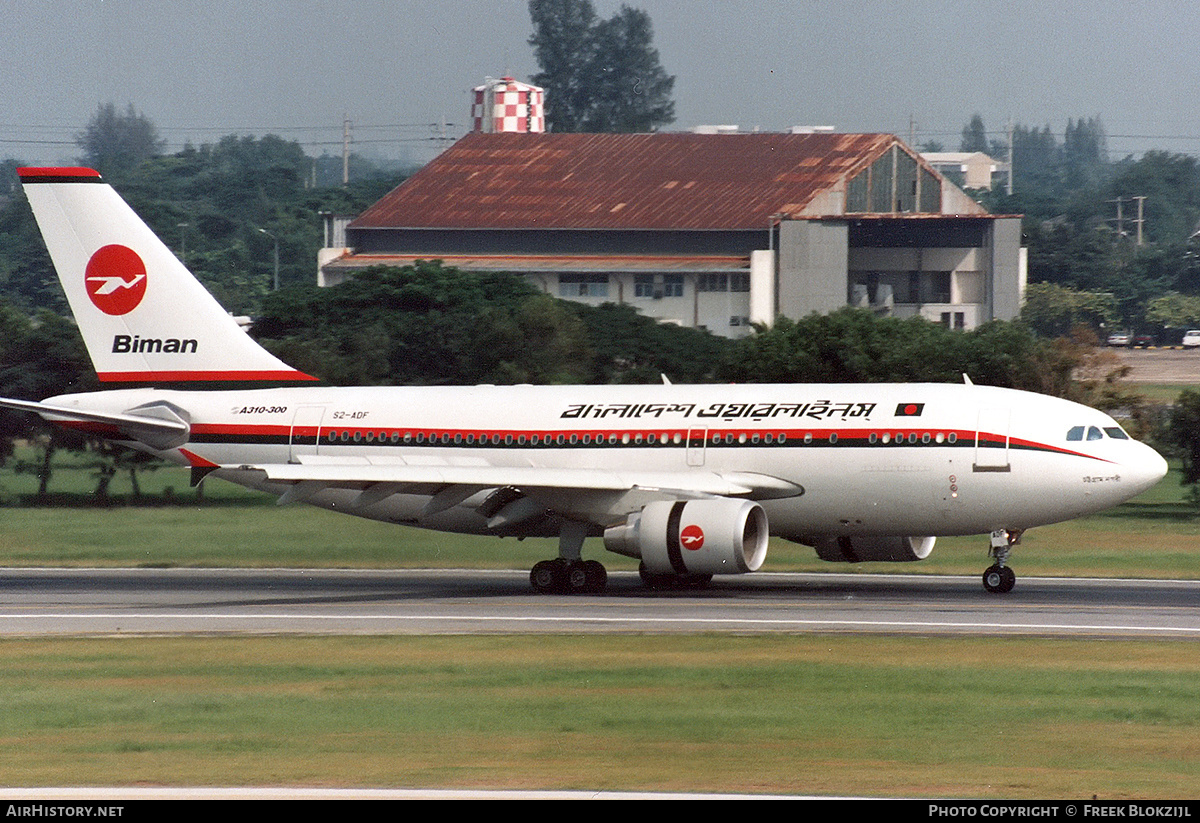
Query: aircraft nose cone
x,y
1147,469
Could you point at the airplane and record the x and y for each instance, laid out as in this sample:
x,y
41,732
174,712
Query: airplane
x,y
691,480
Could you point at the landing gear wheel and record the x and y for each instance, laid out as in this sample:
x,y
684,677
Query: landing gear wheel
x,y
586,577
597,576
999,579
561,576
548,576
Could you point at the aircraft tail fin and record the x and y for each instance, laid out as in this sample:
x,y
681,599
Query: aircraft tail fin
x,y
146,319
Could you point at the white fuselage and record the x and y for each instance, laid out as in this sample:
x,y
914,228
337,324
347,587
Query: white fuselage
x,y
871,459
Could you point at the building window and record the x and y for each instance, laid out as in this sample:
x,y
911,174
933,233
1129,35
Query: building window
x,y
954,320
649,285
583,285
723,282
935,287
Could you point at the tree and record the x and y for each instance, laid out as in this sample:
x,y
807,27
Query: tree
x,y
974,136
113,141
1084,151
1054,311
599,76
426,324
852,345
631,91
562,44
1184,430
629,347
1174,311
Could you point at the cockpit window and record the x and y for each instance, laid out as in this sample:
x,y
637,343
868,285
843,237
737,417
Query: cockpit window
x,y
1076,433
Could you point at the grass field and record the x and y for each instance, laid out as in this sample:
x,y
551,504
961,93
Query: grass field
x,y
805,714
865,716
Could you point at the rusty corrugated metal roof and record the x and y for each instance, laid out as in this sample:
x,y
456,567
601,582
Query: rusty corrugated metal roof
x,y
623,181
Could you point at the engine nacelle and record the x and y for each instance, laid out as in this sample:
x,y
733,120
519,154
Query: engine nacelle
x,y
694,537
867,549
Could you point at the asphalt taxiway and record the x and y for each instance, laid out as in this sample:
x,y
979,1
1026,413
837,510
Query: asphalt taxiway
x,y
106,602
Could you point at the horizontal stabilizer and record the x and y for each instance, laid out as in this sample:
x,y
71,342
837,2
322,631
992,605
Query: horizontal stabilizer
x,y
157,425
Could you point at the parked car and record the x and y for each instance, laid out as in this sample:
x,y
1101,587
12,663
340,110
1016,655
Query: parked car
x,y
1191,339
1144,341
1119,338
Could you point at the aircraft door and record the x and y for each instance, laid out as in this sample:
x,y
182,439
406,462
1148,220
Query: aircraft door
x,y
696,440
305,435
991,441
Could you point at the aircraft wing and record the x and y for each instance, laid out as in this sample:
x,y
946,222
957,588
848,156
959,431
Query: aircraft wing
x,y
594,493
158,424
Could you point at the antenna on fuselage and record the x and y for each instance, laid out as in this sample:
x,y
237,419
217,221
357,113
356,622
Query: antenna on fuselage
x,y
967,379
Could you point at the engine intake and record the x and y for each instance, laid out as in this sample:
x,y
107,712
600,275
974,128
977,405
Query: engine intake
x,y
868,549
694,536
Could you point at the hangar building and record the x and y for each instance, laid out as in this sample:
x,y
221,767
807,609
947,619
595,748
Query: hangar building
x,y
706,230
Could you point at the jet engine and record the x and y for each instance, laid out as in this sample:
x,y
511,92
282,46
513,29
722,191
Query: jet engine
x,y
866,549
721,536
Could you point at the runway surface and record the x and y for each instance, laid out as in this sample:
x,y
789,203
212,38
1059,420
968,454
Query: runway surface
x,y
102,602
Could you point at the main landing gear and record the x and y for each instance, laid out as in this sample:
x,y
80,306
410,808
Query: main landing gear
x,y
563,576
567,573
999,578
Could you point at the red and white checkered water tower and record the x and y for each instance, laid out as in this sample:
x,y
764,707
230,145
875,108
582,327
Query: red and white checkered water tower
x,y
507,105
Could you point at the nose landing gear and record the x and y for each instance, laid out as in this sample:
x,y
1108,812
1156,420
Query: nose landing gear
x,y
999,578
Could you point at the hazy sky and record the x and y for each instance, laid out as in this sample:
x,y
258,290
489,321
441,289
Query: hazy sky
x,y
204,68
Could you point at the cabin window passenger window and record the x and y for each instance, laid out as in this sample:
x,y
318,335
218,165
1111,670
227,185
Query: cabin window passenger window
x,y
1076,433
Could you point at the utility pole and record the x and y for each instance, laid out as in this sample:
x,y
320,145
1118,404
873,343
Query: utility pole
x,y
275,281
1141,217
1141,203
346,128
183,227
1009,139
